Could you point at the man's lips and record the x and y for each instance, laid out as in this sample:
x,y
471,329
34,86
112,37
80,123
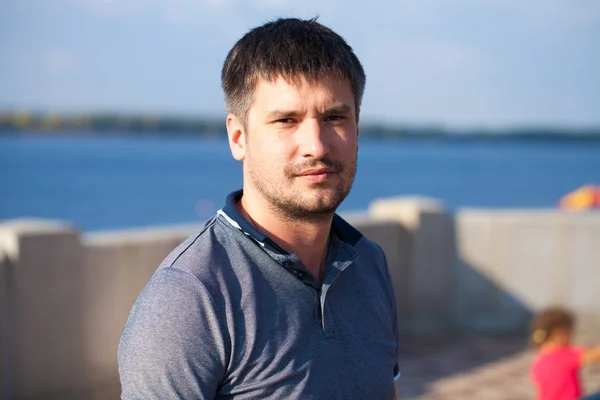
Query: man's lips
x,y
317,175
317,171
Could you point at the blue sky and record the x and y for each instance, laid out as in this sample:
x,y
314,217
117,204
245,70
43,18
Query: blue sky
x,y
457,63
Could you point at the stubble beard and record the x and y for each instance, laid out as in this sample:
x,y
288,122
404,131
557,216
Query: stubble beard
x,y
296,205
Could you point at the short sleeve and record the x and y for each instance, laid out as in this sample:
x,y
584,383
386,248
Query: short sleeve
x,y
172,345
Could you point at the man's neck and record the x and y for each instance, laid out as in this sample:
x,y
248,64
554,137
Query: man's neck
x,y
308,239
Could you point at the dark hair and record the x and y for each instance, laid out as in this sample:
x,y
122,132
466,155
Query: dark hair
x,y
547,322
292,49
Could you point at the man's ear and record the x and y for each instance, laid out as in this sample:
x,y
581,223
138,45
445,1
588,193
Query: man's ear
x,y
236,134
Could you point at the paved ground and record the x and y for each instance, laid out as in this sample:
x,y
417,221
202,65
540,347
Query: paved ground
x,y
472,368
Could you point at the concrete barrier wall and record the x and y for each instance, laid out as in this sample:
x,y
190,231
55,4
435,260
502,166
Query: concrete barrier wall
x,y
423,272
65,300
116,266
65,296
512,263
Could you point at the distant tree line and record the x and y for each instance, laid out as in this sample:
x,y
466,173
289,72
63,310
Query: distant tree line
x,y
82,124
152,125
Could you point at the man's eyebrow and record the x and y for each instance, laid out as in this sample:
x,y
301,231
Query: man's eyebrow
x,y
338,109
281,114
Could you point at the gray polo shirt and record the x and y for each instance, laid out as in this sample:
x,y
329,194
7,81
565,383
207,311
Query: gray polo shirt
x,y
231,315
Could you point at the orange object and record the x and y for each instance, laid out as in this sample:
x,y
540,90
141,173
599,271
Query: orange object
x,y
585,198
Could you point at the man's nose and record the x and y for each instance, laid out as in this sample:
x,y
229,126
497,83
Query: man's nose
x,y
314,139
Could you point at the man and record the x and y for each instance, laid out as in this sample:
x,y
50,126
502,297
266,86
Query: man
x,y
276,297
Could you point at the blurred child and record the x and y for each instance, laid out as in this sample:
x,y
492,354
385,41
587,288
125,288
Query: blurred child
x,y
555,370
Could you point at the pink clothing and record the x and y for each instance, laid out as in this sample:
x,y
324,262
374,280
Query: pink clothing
x,y
555,373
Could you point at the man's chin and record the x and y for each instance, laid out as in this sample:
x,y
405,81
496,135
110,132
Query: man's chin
x,y
319,208
310,214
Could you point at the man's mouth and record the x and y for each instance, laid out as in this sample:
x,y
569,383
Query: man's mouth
x,y
317,175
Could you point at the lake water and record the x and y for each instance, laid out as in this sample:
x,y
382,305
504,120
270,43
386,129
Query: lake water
x,y
106,183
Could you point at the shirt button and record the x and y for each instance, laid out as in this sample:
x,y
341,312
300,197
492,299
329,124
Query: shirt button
x,y
301,274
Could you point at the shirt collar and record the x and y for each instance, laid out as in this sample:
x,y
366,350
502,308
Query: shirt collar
x,y
233,216
341,229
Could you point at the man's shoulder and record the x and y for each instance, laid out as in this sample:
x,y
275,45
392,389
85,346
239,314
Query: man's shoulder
x,y
205,253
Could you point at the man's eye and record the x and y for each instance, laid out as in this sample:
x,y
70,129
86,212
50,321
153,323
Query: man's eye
x,y
336,118
285,121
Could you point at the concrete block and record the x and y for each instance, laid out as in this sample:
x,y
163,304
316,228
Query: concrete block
x,y
582,287
44,325
432,271
405,209
429,257
516,262
396,243
116,267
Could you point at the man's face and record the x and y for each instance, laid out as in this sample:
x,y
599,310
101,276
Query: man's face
x,y
301,144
